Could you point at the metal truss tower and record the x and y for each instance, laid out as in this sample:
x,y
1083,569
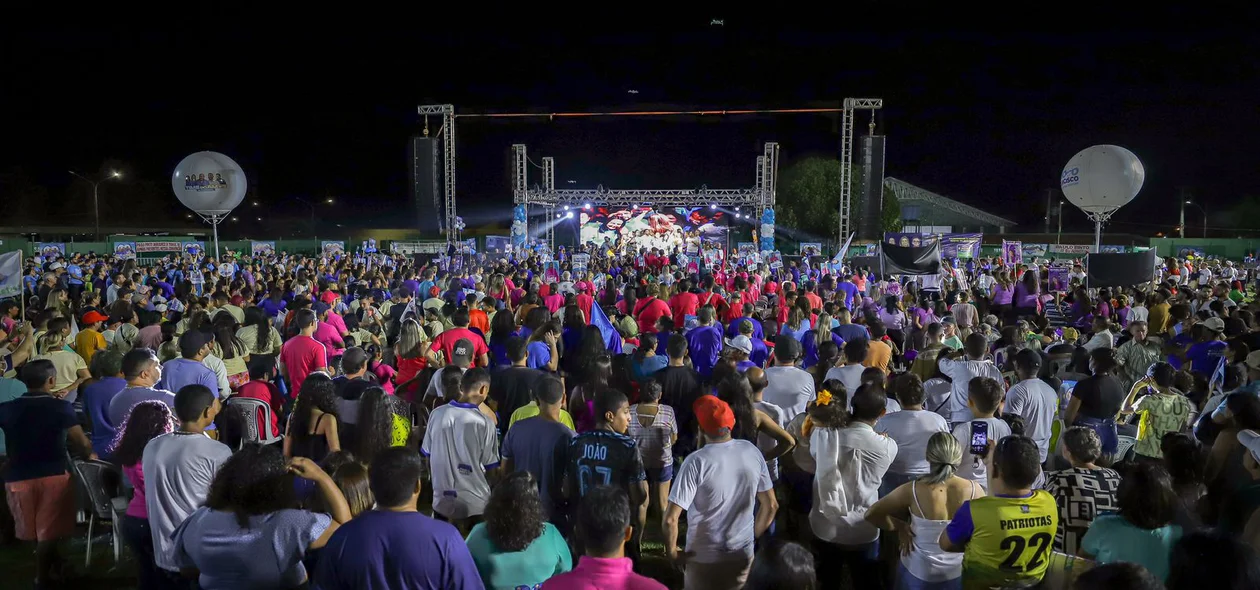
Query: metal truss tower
x,y
846,157
447,113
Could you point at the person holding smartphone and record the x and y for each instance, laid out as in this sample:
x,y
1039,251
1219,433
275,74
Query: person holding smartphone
x,y
984,399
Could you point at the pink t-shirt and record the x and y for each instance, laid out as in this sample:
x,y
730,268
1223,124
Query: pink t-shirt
x,y
135,474
327,334
601,573
301,355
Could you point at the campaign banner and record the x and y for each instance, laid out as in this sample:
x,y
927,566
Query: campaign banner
x,y
11,274
811,249
1071,248
332,247
1059,278
580,262
906,240
262,248
1191,252
1111,250
498,246
50,249
170,246
1036,250
125,250
194,248
961,245
1012,252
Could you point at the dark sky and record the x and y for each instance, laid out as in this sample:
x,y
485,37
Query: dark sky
x,y
987,119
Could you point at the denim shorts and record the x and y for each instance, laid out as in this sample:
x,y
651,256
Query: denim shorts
x,y
660,475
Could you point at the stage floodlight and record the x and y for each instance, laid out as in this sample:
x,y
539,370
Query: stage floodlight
x,y
713,206
568,215
566,207
587,206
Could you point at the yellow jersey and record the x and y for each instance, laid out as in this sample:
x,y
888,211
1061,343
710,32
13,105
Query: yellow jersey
x,y
1010,540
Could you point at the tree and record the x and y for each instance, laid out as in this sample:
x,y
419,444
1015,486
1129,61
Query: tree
x,y
809,198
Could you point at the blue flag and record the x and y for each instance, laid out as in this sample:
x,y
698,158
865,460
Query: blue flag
x,y
1217,383
612,338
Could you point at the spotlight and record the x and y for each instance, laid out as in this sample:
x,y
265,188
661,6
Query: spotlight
x,y
737,216
566,207
568,215
587,206
713,206
558,216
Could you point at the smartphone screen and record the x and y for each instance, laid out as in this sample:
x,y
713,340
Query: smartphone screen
x,y
979,437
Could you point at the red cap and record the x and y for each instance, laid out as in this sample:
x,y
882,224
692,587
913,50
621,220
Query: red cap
x,y
94,316
713,415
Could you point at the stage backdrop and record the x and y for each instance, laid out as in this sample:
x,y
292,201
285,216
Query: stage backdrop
x,y
604,222
924,259
952,245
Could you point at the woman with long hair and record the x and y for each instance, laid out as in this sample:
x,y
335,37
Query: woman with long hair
x,y
1097,400
812,344
259,334
409,354
894,319
543,352
250,533
145,422
1143,531
582,398
381,425
1025,298
502,328
516,547
231,350
312,428
929,502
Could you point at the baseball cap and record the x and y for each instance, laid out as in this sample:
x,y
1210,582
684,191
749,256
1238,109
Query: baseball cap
x,y
713,414
741,343
1250,440
787,348
1214,324
1253,360
319,308
462,353
94,316
56,266
193,340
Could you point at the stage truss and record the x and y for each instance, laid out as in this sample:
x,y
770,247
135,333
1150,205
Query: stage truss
x,y
447,131
846,157
761,196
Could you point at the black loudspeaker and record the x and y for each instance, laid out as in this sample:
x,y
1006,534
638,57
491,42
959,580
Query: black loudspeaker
x,y
422,153
869,226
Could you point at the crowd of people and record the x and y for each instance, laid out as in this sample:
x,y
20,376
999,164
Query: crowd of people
x,y
378,422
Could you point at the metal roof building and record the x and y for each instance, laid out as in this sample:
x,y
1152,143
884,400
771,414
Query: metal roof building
x,y
925,211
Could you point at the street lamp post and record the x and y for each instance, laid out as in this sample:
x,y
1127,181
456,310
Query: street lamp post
x,y
96,201
1183,217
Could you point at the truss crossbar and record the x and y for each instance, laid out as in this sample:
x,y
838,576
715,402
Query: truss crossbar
x,y
629,198
909,193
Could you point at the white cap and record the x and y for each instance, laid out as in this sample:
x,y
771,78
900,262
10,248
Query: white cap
x,y
740,343
56,266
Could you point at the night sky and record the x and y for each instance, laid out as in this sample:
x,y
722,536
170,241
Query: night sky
x,y
987,119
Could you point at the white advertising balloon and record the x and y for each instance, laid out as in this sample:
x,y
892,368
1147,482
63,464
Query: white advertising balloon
x,y
209,183
1102,178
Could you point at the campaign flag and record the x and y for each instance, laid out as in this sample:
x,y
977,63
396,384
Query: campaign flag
x,y
1217,383
1012,253
612,338
11,274
843,250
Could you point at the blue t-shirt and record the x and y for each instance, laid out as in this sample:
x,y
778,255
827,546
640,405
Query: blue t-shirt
x,y
537,445
1111,538
545,557
705,344
539,355
1205,356
10,389
268,554
380,549
96,399
850,292
35,435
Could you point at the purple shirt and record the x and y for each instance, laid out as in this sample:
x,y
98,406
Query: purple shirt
x,y
379,549
96,402
176,373
850,291
272,307
705,344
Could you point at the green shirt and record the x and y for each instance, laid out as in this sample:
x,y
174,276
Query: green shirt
x,y
545,557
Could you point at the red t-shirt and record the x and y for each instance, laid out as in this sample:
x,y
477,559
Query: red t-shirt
x,y
265,392
447,339
584,303
683,304
301,356
478,319
647,311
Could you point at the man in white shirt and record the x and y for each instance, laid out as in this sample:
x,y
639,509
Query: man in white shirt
x,y
985,399
960,372
850,373
851,464
1033,400
910,428
727,493
791,387
462,446
178,468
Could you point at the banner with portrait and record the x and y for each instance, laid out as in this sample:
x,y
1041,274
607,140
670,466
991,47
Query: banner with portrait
x,y
50,250
332,247
1036,250
267,248
1012,252
125,250
811,249
194,249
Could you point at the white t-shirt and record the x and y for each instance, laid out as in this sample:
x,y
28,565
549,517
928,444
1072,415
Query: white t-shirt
x,y
972,466
849,375
1138,313
1036,402
911,429
790,388
717,486
178,468
461,444
766,442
